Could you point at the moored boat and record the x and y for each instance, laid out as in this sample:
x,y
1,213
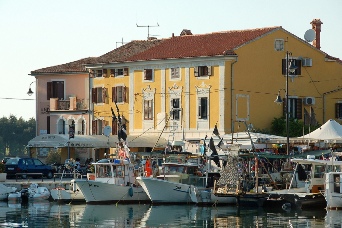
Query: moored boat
x,y
312,193
5,191
172,185
72,194
114,181
333,190
33,192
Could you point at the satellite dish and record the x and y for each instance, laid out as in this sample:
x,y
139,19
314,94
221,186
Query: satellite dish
x,y
107,130
309,35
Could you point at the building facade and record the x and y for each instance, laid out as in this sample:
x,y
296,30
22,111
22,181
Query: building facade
x,y
181,87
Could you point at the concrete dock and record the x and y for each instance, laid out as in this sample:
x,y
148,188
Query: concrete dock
x,y
49,183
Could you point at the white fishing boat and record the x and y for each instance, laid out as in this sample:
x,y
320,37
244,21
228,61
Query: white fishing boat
x,y
33,192
114,181
307,192
333,190
5,191
175,178
70,194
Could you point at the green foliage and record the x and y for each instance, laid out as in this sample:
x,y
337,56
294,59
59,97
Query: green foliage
x,y
15,134
296,129
53,157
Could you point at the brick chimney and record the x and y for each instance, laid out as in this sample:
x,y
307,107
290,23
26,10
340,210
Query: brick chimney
x,y
316,25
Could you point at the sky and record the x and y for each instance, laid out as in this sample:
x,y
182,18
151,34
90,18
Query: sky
x,y
40,33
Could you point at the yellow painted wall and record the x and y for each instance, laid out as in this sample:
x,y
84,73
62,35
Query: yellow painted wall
x,y
258,74
257,78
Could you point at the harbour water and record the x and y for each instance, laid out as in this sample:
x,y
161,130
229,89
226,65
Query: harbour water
x,y
51,214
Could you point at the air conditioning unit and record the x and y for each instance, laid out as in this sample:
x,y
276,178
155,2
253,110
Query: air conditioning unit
x,y
309,101
306,62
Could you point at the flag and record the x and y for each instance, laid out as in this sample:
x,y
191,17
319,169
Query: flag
x,y
113,114
214,154
215,131
313,121
212,146
307,117
220,143
122,134
118,111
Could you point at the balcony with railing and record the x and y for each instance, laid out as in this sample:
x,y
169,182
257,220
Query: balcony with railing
x,y
73,104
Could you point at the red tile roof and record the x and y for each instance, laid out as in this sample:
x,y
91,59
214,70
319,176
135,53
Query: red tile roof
x,y
126,51
72,67
184,46
212,44
117,55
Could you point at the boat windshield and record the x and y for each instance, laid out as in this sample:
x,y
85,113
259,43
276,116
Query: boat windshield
x,y
173,169
102,171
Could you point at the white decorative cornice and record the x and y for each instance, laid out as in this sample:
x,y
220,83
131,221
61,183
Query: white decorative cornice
x,y
148,93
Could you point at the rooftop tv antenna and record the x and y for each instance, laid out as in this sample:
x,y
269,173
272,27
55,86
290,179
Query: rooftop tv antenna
x,y
122,42
148,28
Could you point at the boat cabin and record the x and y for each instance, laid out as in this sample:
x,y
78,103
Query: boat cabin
x,y
117,171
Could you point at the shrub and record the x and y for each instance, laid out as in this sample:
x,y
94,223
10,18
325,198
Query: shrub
x,y
53,157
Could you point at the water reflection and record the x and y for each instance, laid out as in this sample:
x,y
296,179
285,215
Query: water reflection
x,y
334,218
47,214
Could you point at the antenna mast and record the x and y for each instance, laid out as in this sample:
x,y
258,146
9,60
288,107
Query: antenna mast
x,y
148,28
122,42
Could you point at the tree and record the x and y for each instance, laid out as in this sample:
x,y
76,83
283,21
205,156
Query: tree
x,y
278,127
15,134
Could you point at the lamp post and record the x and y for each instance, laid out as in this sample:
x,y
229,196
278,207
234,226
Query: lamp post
x,y
30,92
289,67
71,135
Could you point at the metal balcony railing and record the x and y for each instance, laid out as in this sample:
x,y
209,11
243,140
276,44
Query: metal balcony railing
x,y
67,105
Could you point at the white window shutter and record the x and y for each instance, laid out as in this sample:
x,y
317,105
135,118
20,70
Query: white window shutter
x,y
196,71
209,70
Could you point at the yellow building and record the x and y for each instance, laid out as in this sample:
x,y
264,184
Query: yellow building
x,y
181,87
184,85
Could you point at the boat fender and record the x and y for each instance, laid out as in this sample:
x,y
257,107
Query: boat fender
x,y
130,191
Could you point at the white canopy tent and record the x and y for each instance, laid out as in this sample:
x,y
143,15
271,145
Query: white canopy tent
x,y
331,131
94,141
245,141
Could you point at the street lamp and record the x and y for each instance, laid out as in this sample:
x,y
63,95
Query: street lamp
x,y
290,68
30,92
71,135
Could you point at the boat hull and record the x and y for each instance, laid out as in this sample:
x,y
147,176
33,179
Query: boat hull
x,y
99,192
163,191
205,196
66,195
334,201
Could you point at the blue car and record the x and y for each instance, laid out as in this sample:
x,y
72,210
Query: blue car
x,y
25,166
